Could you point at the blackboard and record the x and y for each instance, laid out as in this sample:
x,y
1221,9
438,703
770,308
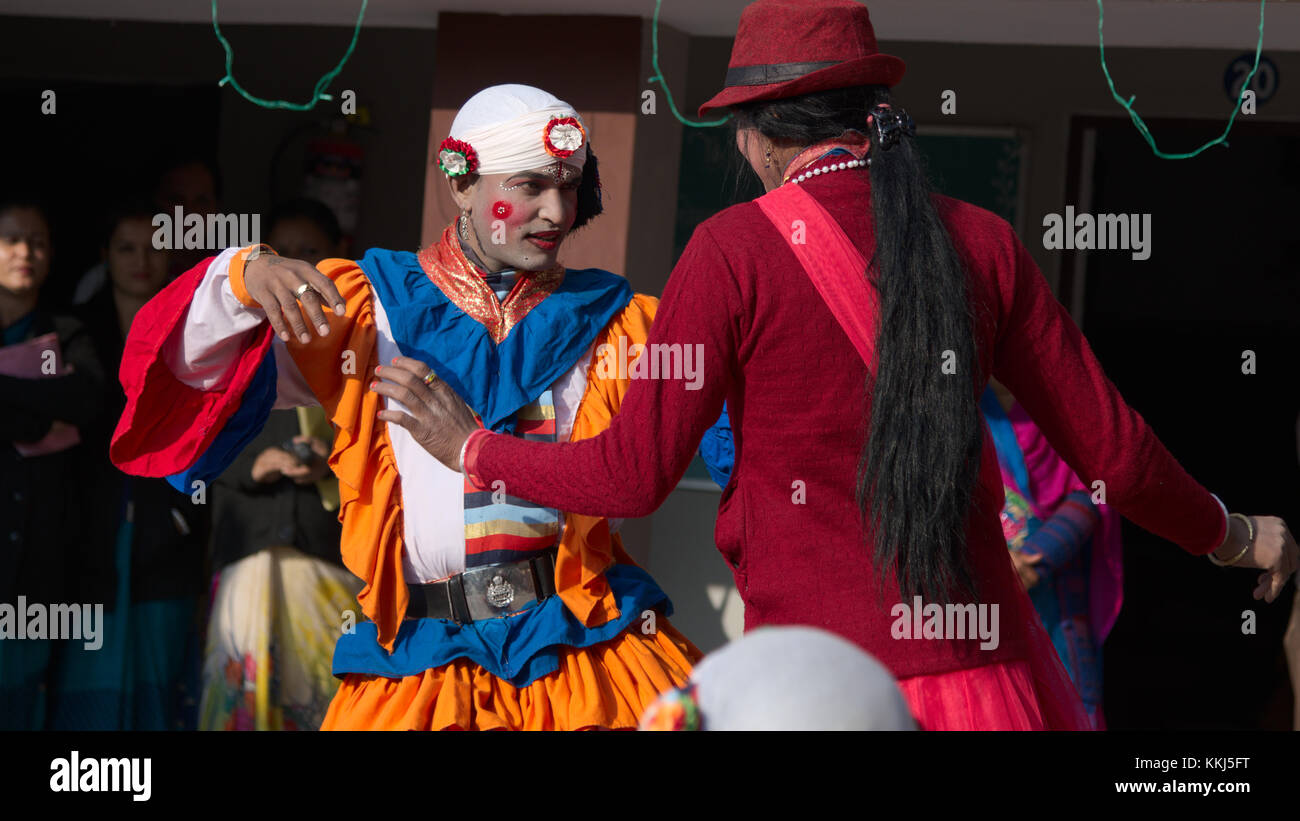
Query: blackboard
x,y
981,166
984,168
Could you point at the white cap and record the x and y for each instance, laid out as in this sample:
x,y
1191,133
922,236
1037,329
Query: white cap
x,y
795,678
508,127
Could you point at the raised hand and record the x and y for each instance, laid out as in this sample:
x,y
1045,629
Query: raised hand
x,y
279,285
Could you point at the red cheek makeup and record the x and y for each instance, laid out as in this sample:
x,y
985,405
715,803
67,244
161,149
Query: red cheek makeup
x,y
501,209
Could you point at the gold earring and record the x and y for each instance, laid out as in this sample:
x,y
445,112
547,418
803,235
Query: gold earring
x,y
768,164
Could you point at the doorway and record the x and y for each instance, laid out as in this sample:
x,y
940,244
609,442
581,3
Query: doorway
x,y
1177,333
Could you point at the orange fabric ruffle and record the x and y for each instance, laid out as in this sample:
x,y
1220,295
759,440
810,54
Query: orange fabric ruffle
x,y
339,369
604,686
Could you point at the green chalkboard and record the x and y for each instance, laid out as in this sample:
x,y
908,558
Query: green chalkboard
x,y
980,167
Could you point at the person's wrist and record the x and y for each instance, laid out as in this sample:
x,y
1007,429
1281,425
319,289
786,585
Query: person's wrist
x,y
246,260
1227,523
469,452
1238,542
1231,541
464,446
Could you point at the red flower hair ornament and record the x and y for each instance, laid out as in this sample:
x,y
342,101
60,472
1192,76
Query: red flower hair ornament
x,y
457,158
563,136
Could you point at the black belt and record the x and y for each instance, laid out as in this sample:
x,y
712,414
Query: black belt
x,y
487,592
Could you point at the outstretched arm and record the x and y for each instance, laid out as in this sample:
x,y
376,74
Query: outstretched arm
x,y
201,371
1043,358
630,469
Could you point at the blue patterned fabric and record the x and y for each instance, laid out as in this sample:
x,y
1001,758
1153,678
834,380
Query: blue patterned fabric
x,y
1061,595
1063,539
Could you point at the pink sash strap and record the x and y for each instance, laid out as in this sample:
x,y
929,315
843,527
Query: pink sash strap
x,y
837,268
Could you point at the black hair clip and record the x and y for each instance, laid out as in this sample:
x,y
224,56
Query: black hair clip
x,y
891,124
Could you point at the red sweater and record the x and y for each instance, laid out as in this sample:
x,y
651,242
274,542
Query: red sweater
x,y
794,384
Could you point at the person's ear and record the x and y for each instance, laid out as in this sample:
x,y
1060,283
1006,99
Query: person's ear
x,y
462,190
748,142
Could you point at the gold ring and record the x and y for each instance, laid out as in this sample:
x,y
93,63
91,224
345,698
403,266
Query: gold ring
x,y
300,290
428,380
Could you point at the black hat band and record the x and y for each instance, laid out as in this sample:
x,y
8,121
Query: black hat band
x,y
773,73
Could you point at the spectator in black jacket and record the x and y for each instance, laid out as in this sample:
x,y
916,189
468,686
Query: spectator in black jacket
x,y
43,412
142,551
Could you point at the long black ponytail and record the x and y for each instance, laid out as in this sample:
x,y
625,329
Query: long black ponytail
x,y
918,469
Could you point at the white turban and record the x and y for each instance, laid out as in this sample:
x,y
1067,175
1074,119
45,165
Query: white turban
x,y
508,126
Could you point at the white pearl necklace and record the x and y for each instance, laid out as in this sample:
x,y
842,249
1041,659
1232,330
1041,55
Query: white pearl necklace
x,y
832,167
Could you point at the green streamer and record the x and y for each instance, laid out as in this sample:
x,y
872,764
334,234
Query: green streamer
x,y
318,93
659,77
1142,126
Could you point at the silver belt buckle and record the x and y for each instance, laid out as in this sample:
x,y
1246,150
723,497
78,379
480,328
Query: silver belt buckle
x,y
493,592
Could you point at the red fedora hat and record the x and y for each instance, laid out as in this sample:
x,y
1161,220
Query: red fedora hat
x,y
785,48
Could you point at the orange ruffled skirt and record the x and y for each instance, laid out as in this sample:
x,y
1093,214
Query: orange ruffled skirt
x,y
604,686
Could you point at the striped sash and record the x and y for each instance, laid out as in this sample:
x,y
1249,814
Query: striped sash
x,y
506,528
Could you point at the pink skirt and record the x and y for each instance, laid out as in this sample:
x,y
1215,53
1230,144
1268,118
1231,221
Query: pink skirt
x,y
992,697
1033,694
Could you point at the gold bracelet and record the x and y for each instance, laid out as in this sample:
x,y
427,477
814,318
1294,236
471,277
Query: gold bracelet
x,y
1250,532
